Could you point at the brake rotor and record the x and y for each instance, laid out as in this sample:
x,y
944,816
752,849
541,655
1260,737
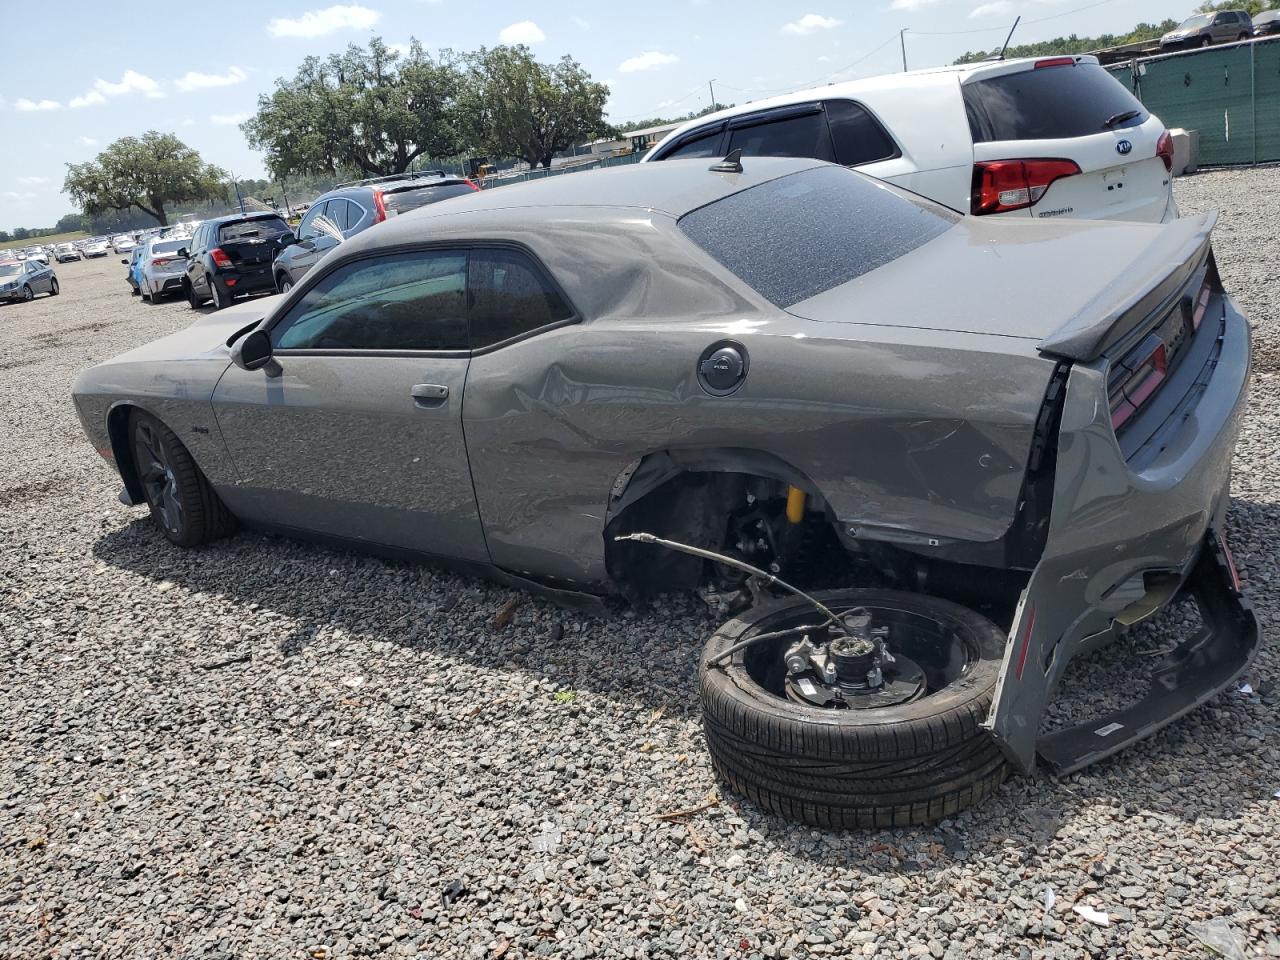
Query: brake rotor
x,y
903,681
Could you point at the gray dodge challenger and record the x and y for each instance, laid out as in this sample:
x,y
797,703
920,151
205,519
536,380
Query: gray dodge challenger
x,y
933,458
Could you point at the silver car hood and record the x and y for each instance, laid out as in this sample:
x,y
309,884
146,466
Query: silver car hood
x,y
1062,284
203,340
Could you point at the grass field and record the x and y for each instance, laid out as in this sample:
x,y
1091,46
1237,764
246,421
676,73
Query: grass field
x,y
52,238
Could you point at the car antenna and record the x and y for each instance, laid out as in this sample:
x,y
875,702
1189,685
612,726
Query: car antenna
x,y
730,164
1016,20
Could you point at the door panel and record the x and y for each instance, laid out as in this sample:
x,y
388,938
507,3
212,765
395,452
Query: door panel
x,y
341,446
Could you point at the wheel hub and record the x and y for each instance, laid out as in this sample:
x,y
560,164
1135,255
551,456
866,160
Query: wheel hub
x,y
851,668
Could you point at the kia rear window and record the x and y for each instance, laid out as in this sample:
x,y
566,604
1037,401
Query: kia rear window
x,y
263,229
798,236
405,200
1049,103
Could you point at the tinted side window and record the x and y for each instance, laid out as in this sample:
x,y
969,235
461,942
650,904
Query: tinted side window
x,y
340,213
857,136
509,296
705,145
802,136
407,301
356,214
803,234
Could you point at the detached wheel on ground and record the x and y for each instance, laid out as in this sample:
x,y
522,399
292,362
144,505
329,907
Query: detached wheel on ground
x,y
183,504
874,725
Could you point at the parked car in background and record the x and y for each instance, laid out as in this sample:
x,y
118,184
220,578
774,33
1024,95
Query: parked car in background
x,y
1044,138
36,252
122,243
232,255
133,271
1267,23
97,247
352,207
22,280
1205,29
65,252
161,268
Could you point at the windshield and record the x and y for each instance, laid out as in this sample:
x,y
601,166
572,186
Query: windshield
x,y
262,229
1202,20
10,269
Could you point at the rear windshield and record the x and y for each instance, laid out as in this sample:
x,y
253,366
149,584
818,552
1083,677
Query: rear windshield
x,y
264,229
168,246
1049,103
405,200
795,237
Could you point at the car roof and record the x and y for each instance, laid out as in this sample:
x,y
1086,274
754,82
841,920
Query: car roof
x,y
869,86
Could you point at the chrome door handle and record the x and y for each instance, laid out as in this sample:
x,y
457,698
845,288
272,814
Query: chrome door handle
x,y
428,392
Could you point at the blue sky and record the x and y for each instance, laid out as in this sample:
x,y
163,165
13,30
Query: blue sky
x,y
107,70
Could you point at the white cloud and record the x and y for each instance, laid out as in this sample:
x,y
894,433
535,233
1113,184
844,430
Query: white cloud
x,y
88,141
32,181
811,23
648,60
526,31
88,100
912,4
25,105
993,9
228,119
318,23
131,82
576,21
192,80
400,48
14,195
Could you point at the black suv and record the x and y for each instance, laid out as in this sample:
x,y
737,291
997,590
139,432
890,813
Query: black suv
x,y
350,208
232,255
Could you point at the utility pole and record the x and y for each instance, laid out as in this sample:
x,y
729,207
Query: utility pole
x,y
902,39
713,92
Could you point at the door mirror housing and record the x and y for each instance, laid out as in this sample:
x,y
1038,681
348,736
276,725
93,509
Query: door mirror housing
x,y
253,351
184,253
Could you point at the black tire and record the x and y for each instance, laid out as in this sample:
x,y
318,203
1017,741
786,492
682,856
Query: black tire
x,y
220,299
283,283
1206,42
911,763
182,503
190,291
54,289
27,293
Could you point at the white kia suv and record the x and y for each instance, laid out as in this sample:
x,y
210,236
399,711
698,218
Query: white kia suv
x,y
1049,137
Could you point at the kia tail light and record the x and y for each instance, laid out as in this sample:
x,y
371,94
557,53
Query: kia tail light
x,y
1164,150
1003,185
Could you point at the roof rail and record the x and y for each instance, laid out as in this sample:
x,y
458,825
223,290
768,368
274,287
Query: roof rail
x,y
407,175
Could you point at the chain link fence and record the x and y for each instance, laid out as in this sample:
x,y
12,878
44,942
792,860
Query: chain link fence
x,y
1230,93
570,166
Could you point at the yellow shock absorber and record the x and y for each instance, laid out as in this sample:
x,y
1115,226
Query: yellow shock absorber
x,y
795,504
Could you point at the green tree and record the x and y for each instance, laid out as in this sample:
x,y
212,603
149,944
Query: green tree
x,y
372,110
150,173
1076,44
71,222
1252,7
515,106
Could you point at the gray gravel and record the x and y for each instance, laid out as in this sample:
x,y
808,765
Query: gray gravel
x,y
268,749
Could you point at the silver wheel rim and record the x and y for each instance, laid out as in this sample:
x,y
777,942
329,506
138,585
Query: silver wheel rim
x,y
27,294
157,476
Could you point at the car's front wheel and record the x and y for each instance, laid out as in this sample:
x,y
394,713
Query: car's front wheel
x,y
182,503
283,283
874,724
54,289
27,292
1206,42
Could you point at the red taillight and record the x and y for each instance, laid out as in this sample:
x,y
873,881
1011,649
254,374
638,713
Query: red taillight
x,y
379,207
1056,62
1000,185
1164,150
219,258
1201,304
160,262
1130,390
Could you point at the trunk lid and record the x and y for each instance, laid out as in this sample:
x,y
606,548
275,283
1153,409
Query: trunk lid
x,y
254,241
1072,287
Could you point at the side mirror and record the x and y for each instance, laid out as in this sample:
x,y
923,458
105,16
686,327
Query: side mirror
x,y
252,351
287,238
182,252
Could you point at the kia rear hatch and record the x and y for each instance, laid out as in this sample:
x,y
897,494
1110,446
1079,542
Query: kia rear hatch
x,y
1061,137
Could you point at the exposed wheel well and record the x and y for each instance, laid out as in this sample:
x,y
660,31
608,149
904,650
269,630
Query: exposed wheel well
x,y
118,431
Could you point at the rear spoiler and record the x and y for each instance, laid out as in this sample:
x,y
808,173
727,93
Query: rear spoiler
x,y
1154,279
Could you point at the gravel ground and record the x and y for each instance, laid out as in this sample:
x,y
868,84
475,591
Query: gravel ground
x,y
269,749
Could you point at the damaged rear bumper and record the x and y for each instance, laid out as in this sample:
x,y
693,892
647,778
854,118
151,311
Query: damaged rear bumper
x,y
1122,541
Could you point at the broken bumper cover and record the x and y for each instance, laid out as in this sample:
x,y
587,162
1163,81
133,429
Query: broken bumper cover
x,y
1121,541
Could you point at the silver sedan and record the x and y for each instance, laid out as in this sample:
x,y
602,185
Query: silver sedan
x,y
161,271
22,280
